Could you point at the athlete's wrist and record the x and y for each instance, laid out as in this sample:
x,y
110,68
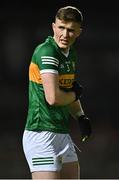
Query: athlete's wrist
x,y
79,113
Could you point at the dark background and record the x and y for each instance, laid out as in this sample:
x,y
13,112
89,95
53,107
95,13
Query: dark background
x,y
23,25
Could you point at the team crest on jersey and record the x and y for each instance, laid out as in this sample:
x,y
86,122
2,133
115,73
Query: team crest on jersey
x,y
73,65
67,62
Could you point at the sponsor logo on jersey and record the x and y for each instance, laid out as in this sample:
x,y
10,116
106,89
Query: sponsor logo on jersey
x,y
66,80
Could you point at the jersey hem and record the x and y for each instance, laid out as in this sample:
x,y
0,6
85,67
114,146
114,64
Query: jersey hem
x,y
45,129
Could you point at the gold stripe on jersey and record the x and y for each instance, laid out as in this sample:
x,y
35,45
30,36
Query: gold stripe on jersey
x,y
34,73
65,80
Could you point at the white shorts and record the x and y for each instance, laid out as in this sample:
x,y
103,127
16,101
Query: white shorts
x,y
47,151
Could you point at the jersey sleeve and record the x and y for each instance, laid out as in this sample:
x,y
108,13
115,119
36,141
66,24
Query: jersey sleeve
x,y
46,59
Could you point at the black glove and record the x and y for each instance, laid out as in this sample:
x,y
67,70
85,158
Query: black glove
x,y
78,89
85,127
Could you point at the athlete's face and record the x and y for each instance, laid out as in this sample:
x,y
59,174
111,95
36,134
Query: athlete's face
x,y
65,33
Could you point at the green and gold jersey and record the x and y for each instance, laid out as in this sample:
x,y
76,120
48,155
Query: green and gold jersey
x,y
46,58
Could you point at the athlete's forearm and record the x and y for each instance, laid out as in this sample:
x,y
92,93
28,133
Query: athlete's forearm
x,y
76,109
64,98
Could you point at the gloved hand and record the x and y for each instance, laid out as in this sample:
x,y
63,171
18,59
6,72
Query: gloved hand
x,y
78,89
84,127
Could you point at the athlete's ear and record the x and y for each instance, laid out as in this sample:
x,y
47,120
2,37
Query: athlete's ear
x,y
53,26
79,32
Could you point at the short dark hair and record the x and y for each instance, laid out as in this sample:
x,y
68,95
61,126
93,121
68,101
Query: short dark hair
x,y
70,13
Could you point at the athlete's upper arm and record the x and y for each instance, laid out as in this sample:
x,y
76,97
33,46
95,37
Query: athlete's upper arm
x,y
51,86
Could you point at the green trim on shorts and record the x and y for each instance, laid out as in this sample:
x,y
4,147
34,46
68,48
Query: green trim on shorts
x,y
42,161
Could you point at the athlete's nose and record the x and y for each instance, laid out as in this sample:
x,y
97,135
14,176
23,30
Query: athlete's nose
x,y
65,33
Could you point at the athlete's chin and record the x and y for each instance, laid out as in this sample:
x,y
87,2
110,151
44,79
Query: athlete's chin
x,y
64,46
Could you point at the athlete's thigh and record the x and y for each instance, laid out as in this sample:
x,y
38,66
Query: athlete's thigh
x,y
46,175
70,170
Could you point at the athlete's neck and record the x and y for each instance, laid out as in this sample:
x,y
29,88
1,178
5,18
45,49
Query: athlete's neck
x,y
65,53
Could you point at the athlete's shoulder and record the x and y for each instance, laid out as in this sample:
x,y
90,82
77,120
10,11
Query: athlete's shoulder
x,y
46,48
45,55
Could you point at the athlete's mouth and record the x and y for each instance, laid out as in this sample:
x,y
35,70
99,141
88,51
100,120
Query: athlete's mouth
x,y
65,42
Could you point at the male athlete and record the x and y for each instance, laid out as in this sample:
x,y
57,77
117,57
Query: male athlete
x,y
54,95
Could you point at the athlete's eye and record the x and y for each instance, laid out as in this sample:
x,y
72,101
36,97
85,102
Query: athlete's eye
x,y
71,30
61,27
